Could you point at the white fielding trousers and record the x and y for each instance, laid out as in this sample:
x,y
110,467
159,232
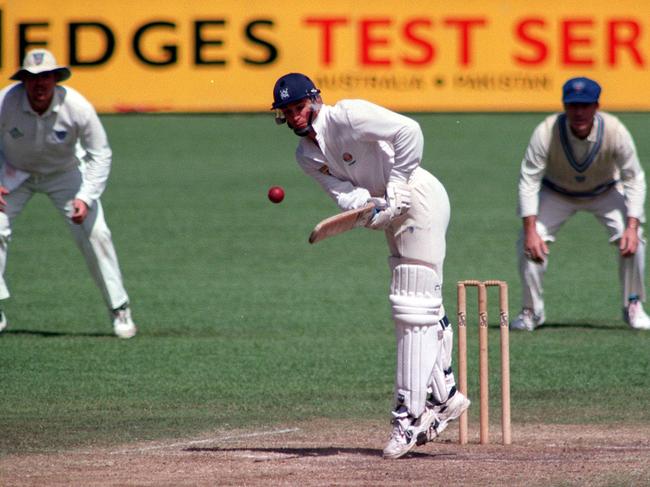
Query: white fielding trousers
x,y
93,236
555,209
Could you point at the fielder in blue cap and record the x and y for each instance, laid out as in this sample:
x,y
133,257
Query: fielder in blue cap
x,y
581,160
580,90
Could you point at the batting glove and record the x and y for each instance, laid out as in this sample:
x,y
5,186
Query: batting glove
x,y
382,216
381,219
397,203
380,205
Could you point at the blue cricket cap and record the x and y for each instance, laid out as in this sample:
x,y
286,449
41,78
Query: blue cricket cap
x,y
580,90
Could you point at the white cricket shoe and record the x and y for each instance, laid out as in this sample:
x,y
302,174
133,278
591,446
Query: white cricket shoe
x,y
528,320
123,325
3,321
449,411
635,316
407,431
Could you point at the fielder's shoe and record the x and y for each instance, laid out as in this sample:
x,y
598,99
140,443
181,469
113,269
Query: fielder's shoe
x,y
635,316
450,410
3,320
528,320
407,430
123,325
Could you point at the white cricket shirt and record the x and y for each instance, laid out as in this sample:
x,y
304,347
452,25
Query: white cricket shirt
x,y
68,131
361,147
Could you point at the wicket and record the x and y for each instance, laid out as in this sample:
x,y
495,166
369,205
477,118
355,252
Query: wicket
x,y
483,358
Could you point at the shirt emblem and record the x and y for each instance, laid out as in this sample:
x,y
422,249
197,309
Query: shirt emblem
x,y
349,158
16,133
60,134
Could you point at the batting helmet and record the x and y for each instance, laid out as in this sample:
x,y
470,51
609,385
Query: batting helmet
x,y
292,87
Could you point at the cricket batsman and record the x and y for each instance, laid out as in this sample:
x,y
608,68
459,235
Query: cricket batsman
x,y
360,152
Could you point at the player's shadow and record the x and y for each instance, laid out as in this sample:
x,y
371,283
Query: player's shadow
x,y
582,324
307,452
55,334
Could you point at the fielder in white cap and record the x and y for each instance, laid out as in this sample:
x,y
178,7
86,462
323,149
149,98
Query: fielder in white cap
x,y
581,160
52,142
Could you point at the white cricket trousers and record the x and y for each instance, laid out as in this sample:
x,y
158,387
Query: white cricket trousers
x,y
555,209
421,235
93,236
417,242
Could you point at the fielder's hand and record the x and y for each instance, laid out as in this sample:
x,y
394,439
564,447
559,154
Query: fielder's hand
x,y
629,242
3,203
79,211
535,248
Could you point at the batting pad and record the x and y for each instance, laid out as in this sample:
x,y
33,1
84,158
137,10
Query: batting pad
x,y
416,300
442,377
444,360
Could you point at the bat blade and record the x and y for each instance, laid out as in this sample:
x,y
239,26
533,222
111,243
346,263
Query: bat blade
x,y
341,222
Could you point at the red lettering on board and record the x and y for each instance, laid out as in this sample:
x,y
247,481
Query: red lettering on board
x,y
623,35
327,34
369,39
524,32
411,35
571,40
465,26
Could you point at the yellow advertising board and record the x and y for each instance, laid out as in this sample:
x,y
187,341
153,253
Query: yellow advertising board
x,y
425,55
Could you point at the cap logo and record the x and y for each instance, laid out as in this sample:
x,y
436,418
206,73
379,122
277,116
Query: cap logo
x,y
284,93
38,58
579,86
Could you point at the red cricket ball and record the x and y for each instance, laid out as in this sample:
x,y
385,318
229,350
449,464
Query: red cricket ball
x,y
276,194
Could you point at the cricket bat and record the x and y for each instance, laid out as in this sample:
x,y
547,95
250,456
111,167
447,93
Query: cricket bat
x,y
341,222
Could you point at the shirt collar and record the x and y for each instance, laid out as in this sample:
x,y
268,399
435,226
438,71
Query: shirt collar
x,y
318,124
593,135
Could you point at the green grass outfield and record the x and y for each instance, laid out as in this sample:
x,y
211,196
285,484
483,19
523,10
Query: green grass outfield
x,y
244,324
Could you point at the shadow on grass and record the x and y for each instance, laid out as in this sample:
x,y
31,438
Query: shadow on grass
x,y
309,452
51,334
581,324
